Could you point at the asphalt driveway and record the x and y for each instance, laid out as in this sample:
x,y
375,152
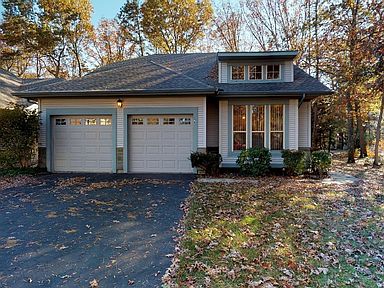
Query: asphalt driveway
x,y
67,230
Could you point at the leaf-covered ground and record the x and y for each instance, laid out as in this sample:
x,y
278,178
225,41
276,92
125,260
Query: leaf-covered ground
x,y
283,232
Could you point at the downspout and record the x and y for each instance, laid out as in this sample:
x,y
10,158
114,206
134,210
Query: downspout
x,y
302,99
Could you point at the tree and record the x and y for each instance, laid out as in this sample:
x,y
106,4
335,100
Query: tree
x,y
17,35
108,44
130,18
228,27
63,26
174,26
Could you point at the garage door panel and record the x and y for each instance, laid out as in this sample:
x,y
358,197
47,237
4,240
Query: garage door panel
x,y
157,147
82,148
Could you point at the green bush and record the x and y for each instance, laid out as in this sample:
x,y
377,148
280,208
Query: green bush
x,y
294,161
254,161
208,162
321,162
19,129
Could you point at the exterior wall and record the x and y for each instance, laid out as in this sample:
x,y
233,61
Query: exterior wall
x,y
212,123
305,125
287,71
293,125
225,130
143,102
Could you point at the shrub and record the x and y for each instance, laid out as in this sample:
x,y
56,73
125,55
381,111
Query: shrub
x,y
294,161
208,162
321,162
254,161
19,130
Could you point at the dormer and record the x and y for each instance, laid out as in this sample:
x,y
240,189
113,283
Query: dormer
x,y
256,67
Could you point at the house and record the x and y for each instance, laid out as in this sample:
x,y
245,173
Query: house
x,y
147,114
10,83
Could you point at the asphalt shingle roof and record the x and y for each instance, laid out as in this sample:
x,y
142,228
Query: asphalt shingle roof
x,y
171,72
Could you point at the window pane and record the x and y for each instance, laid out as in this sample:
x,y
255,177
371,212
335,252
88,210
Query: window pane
x,y
61,122
237,72
277,118
273,71
105,121
239,140
75,121
255,72
185,121
239,118
258,139
152,121
169,121
137,121
258,118
277,140
90,122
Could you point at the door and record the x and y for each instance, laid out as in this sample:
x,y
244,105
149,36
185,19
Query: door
x,y
160,143
82,143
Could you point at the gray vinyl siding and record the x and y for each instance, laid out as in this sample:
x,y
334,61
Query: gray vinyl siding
x,y
305,125
212,123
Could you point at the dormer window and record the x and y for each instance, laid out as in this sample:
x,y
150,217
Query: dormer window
x,y
255,72
273,72
237,72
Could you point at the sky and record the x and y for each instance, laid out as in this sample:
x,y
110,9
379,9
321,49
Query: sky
x,y
101,9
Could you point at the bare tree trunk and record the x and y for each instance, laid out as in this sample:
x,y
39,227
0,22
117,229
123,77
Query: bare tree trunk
x,y
360,128
378,133
350,130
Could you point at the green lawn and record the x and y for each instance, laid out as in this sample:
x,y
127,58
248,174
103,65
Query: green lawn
x,y
282,232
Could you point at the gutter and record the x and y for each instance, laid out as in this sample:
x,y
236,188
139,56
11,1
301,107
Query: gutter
x,y
302,100
114,93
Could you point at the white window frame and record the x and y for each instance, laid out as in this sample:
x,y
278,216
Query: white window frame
x,y
230,74
266,72
270,130
249,72
246,125
265,125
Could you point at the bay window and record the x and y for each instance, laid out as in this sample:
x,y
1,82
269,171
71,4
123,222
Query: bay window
x,y
277,127
239,127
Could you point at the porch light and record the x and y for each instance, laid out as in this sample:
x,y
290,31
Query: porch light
x,y
119,103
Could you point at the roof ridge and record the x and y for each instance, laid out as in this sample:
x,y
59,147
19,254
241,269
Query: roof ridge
x,y
180,74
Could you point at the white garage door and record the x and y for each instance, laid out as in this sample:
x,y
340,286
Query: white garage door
x,y
160,143
82,144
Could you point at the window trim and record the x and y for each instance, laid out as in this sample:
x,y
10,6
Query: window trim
x,y
266,72
270,129
249,72
265,124
237,65
246,127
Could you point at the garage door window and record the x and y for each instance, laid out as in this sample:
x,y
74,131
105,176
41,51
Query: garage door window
x,y
75,121
90,122
169,121
185,121
137,121
105,121
153,121
61,122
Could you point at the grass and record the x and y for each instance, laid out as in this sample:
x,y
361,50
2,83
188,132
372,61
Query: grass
x,y
285,232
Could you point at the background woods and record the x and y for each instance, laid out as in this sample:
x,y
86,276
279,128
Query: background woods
x,y
339,42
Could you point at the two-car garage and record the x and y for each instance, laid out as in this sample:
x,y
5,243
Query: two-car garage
x,y
155,143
